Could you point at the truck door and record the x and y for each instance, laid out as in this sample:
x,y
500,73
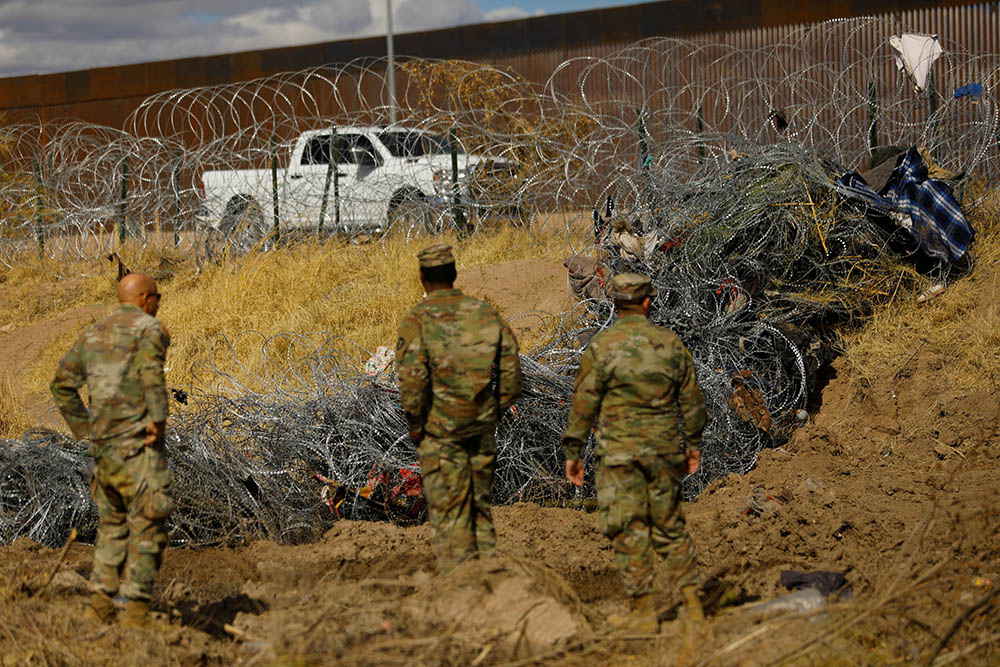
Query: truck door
x,y
368,198
354,194
308,182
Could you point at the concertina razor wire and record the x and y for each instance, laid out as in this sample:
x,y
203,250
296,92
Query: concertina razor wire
x,y
718,185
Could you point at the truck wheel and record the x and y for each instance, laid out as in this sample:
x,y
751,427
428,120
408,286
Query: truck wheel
x,y
243,224
411,215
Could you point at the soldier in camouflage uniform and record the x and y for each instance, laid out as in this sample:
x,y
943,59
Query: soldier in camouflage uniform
x,y
636,378
120,359
459,371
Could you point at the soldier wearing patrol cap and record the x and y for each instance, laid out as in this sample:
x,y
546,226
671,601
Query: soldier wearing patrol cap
x,y
459,371
636,378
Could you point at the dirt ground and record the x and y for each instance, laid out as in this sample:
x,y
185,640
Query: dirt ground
x,y
526,291
893,483
20,345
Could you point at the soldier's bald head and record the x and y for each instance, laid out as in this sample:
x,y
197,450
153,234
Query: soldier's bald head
x,y
139,290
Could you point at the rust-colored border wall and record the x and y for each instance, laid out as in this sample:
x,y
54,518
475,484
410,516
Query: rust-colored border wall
x,y
107,95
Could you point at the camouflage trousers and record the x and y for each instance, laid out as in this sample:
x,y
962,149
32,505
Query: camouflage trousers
x,y
458,484
640,512
131,488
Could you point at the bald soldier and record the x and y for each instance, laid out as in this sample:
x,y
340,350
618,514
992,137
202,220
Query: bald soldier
x,y
120,359
638,380
459,371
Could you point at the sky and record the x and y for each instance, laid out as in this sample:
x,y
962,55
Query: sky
x,y
44,36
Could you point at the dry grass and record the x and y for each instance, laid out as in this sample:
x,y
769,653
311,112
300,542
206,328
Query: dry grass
x,y
13,421
35,292
358,292
961,324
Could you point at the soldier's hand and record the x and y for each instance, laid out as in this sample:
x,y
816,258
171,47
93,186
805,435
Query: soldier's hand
x,y
155,432
574,472
692,461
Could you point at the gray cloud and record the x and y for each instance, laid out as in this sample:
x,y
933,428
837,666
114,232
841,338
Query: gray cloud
x,y
426,14
38,37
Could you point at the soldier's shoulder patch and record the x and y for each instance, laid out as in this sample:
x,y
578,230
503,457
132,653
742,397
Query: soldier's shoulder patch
x,y
409,328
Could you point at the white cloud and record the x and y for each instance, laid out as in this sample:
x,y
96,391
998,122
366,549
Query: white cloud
x,y
511,13
60,35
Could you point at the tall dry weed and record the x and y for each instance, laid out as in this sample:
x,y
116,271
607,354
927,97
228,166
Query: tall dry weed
x,y
358,292
961,325
223,313
13,421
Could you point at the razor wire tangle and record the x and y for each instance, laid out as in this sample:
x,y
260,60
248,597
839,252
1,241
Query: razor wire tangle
x,y
553,144
755,257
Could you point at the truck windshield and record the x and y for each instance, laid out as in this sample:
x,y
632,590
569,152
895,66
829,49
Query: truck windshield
x,y
415,144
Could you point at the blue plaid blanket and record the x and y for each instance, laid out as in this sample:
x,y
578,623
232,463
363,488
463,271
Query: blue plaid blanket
x,y
935,218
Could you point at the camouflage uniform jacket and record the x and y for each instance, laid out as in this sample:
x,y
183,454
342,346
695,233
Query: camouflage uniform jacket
x,y
120,358
635,375
458,366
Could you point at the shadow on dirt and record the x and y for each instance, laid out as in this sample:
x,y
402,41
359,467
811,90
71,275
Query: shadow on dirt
x,y
211,618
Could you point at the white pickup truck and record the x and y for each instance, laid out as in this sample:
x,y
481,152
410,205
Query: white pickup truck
x,y
380,176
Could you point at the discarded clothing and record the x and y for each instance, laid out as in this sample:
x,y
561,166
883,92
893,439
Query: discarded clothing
x,y
883,163
973,90
748,401
760,503
585,277
634,247
915,54
380,362
620,235
823,581
799,601
926,208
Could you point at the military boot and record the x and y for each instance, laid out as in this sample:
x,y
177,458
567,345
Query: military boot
x,y
693,612
695,633
644,614
100,609
641,618
136,614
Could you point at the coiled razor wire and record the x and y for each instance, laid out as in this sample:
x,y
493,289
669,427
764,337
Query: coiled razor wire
x,y
756,257
194,166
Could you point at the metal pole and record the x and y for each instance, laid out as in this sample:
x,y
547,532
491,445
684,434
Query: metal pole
x,y
933,99
391,68
330,159
176,184
39,230
274,188
335,157
700,120
122,230
644,158
872,121
456,188
643,145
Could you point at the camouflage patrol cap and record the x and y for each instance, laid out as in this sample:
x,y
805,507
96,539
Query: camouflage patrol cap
x,y
438,254
631,287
